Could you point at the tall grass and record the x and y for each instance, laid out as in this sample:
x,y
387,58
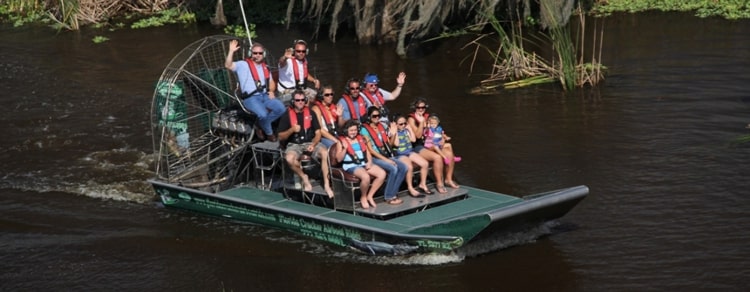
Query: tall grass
x,y
559,35
68,13
515,67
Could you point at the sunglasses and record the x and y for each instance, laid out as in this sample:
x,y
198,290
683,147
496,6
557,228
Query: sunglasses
x,y
257,53
353,88
402,124
374,116
296,100
372,84
300,51
421,107
327,94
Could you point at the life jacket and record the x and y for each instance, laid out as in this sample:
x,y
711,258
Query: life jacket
x,y
350,150
378,135
403,144
414,116
350,103
259,87
299,83
329,115
299,137
372,97
429,137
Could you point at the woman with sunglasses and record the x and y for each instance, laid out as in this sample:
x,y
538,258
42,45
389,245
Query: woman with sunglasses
x,y
328,115
378,140
418,122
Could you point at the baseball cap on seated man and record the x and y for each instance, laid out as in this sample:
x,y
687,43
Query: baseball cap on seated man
x,y
371,78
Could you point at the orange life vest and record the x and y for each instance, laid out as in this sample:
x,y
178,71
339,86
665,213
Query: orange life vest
x,y
350,103
254,72
298,137
350,149
378,135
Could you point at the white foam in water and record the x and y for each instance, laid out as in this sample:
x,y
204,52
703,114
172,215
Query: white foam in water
x,y
117,174
494,242
500,241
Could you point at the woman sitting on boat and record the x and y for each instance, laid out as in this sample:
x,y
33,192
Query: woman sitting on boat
x,y
328,114
380,148
418,122
357,160
402,138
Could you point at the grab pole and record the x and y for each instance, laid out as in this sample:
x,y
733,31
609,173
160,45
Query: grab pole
x,y
244,19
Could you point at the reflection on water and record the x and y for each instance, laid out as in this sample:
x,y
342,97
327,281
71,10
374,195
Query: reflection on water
x,y
667,206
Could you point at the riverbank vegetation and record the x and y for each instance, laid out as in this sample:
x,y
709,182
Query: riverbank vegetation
x,y
74,14
570,64
407,23
729,9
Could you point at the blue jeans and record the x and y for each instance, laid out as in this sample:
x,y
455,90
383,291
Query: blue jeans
x,y
395,176
267,110
327,142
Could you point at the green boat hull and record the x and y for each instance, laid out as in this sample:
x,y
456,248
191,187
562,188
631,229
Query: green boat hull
x,y
436,230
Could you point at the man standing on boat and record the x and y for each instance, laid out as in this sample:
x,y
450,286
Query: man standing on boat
x,y
258,88
299,133
293,72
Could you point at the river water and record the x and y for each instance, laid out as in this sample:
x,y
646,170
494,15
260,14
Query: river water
x,y
668,208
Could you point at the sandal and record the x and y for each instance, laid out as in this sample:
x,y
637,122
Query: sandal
x,y
441,189
426,190
451,184
457,159
446,160
395,201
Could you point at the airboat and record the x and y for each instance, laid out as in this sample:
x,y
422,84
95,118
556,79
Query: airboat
x,y
208,160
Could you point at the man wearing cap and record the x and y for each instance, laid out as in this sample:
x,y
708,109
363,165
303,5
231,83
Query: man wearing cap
x,y
376,96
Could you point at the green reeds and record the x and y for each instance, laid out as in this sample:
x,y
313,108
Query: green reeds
x,y
559,35
68,13
511,61
23,6
528,81
514,67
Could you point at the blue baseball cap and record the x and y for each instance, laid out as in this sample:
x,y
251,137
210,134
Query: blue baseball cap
x,y
371,78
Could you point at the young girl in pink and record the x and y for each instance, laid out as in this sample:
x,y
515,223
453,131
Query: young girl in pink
x,y
436,140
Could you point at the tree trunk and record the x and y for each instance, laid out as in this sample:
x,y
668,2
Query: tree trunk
x,y
219,18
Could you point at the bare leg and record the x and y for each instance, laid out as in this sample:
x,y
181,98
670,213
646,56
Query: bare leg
x,y
409,175
325,168
379,175
293,162
437,166
450,166
423,167
364,186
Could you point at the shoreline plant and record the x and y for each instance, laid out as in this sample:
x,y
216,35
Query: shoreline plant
x,y
515,67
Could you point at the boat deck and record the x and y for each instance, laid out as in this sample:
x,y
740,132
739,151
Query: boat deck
x,y
411,204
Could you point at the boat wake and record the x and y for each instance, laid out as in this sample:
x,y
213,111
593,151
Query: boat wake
x,y
498,241
117,174
475,248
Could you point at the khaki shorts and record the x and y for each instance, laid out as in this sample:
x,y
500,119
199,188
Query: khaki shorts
x,y
301,148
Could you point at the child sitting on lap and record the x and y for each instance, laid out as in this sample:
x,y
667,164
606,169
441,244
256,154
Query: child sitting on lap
x,y
436,140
